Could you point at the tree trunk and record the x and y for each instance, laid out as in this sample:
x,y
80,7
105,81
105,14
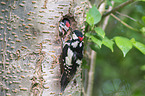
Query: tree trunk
x,y
30,46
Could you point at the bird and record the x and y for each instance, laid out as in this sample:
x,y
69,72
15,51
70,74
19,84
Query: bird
x,y
64,26
72,54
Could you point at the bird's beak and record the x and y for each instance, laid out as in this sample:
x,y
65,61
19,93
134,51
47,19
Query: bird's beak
x,y
81,38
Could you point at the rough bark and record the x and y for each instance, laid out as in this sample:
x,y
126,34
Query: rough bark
x,y
30,46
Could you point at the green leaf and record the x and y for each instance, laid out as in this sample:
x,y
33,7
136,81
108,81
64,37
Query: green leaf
x,y
90,19
115,86
133,40
97,41
142,67
142,29
93,16
108,43
100,31
124,44
88,35
94,39
139,46
143,19
94,47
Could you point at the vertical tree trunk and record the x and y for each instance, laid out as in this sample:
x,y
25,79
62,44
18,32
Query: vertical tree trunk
x,y
30,46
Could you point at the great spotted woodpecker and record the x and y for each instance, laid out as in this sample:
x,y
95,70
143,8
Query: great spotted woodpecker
x,y
72,55
64,26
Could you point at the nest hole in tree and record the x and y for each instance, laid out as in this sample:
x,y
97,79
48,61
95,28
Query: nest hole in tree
x,y
73,22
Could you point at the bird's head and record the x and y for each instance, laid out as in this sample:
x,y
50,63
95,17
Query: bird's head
x,y
64,26
66,22
77,35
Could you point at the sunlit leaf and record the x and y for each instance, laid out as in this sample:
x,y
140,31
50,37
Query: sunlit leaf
x,y
142,29
124,44
97,41
139,46
100,31
142,67
93,16
143,19
89,19
108,43
94,39
133,40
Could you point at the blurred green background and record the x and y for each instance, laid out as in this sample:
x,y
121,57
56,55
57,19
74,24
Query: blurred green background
x,y
116,75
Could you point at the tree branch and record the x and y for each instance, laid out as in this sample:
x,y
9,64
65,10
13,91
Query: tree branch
x,y
100,3
118,7
107,17
91,74
125,24
126,16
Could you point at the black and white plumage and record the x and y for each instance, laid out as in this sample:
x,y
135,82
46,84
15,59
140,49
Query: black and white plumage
x,y
64,27
72,55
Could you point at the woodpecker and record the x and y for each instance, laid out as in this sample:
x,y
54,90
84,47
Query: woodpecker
x,y
72,55
64,27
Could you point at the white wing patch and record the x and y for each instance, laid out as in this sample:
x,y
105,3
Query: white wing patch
x,y
69,57
75,44
78,61
67,43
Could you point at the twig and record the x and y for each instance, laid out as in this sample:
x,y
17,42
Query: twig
x,y
126,16
125,24
118,7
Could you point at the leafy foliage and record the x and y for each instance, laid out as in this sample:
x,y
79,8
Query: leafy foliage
x,y
93,16
116,86
138,45
100,31
124,44
117,37
143,19
108,43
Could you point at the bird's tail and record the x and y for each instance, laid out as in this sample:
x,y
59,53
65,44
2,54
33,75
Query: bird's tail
x,y
64,81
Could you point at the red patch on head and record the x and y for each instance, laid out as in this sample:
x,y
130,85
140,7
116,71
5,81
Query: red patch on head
x,y
67,24
81,38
